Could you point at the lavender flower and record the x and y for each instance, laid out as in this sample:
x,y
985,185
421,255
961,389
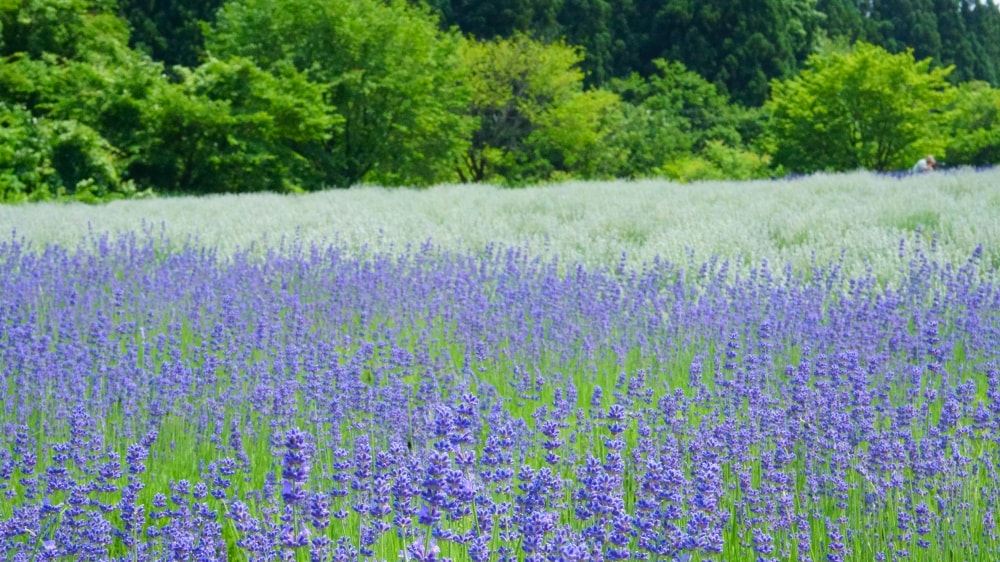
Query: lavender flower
x,y
295,467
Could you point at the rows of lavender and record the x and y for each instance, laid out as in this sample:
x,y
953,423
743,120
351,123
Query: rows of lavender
x,y
314,404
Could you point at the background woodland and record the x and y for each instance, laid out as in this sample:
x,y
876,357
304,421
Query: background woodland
x,y
102,99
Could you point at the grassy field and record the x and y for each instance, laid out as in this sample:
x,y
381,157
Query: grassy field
x,y
310,380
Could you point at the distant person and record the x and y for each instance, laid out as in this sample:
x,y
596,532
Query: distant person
x,y
925,164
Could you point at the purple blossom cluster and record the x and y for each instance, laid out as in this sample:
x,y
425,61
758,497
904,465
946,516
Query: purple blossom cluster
x,y
310,404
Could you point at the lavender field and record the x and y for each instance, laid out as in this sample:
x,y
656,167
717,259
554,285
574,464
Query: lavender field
x,y
165,399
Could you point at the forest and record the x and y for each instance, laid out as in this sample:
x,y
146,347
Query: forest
x,y
104,99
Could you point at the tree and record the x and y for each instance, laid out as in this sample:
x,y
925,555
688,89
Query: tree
x,y
229,127
169,30
908,24
588,24
676,114
107,114
863,109
843,19
975,128
717,161
738,46
536,121
44,159
25,157
649,133
392,78
499,18
67,29
956,44
982,20
52,54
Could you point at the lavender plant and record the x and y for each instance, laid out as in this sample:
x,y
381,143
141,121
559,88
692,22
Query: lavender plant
x,y
315,404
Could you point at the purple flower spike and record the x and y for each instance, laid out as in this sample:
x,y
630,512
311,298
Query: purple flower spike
x,y
424,552
295,469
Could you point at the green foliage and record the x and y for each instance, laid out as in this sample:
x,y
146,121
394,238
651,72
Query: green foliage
x,y
673,117
499,18
105,95
25,157
739,46
956,41
52,50
864,109
907,24
842,19
226,126
70,29
605,30
389,74
44,159
304,94
717,161
975,128
83,160
229,126
646,139
536,121
66,65
963,33
569,141
982,20
706,112
58,57
169,30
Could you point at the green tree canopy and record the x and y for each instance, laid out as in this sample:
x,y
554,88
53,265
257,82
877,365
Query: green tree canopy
x,y
536,121
67,29
739,46
982,20
908,24
169,30
390,76
229,127
844,19
499,18
43,158
674,115
58,60
863,109
956,41
107,113
590,24
975,128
